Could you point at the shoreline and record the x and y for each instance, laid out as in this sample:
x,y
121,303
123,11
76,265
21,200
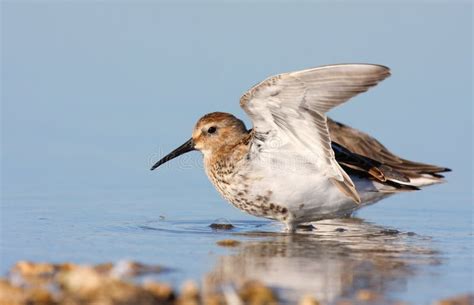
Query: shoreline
x,y
116,284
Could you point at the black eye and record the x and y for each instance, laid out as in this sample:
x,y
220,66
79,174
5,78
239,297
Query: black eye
x,y
212,129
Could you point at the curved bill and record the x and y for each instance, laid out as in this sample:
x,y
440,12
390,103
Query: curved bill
x,y
186,147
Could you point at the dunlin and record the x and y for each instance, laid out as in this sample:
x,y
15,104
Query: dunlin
x,y
296,165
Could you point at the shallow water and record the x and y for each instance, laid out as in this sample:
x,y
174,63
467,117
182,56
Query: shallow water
x,y
87,107
395,248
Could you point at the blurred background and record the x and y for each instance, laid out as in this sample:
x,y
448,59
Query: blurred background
x,y
94,92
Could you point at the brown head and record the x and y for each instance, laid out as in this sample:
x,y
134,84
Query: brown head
x,y
211,133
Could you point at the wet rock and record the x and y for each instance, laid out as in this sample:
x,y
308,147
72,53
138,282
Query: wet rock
x,y
306,227
103,268
255,293
467,299
84,285
190,289
390,232
308,300
36,275
221,226
12,295
366,295
75,284
33,269
40,297
189,294
71,284
228,243
161,291
81,280
214,299
128,268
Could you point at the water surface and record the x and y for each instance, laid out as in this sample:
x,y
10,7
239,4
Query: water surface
x,y
94,92
393,251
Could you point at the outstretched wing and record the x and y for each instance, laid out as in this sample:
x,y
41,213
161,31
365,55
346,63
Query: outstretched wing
x,y
291,108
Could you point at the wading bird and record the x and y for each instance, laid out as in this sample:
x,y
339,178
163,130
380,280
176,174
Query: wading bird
x,y
296,165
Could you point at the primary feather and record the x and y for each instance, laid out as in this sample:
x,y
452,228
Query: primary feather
x,y
291,108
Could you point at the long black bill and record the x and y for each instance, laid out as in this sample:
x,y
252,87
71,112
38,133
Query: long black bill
x,y
186,147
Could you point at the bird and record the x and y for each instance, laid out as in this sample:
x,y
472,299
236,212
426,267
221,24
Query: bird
x,y
296,165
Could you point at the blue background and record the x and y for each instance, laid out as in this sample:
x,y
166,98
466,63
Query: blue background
x,y
94,92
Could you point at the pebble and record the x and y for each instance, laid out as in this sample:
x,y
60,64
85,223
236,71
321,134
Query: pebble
x,y
256,293
366,295
390,232
228,243
467,299
221,226
308,300
162,291
72,284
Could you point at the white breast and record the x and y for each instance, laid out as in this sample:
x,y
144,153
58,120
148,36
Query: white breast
x,y
295,186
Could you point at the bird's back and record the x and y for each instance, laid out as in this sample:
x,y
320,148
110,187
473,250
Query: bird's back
x,y
406,172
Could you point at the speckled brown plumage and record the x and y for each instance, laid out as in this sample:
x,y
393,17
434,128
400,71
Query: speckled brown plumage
x,y
358,142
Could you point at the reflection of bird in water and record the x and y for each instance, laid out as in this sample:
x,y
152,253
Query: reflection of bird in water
x,y
334,262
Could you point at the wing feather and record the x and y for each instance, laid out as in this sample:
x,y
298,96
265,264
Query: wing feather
x,y
292,106
358,142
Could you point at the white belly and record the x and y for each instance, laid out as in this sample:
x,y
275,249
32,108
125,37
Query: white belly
x,y
292,194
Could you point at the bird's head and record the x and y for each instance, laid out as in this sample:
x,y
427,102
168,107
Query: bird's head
x,y
211,133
